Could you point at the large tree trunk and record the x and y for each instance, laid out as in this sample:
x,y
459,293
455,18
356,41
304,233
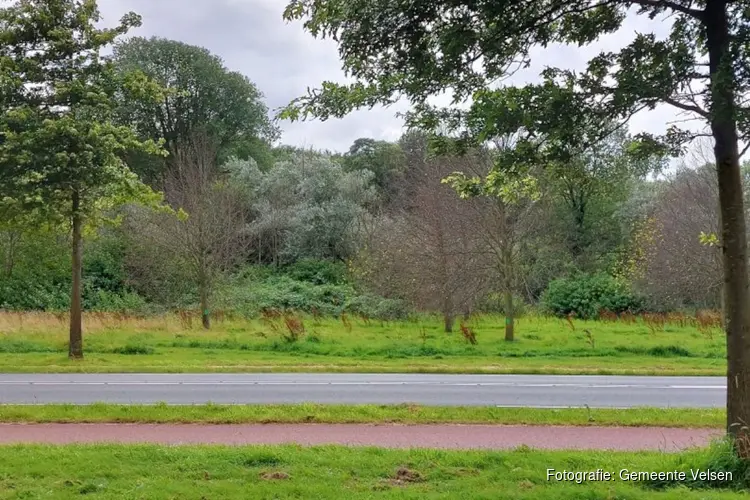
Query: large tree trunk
x,y
75,346
733,236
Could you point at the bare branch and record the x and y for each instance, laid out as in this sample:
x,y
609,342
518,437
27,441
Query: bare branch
x,y
686,107
697,14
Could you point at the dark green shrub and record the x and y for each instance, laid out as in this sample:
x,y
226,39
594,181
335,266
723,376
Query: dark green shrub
x,y
40,276
103,267
22,293
249,297
669,351
315,287
107,301
317,272
586,295
132,350
35,275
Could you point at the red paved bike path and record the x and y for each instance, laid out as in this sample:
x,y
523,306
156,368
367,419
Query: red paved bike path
x,y
389,436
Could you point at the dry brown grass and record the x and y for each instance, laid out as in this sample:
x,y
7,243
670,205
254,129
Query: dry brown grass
x,y
468,334
608,316
295,328
93,322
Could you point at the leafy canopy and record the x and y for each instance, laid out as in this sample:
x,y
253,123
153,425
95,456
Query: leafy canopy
x,y
418,48
57,100
202,96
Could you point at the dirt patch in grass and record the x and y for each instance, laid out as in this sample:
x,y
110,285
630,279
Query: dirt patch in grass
x,y
274,476
404,475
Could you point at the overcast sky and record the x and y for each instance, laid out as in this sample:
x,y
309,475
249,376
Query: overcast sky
x,y
283,60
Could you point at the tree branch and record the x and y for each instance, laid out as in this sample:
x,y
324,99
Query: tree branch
x,y
686,107
697,14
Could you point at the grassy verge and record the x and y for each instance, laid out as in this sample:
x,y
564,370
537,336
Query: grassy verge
x,y
159,472
36,342
402,414
187,361
206,362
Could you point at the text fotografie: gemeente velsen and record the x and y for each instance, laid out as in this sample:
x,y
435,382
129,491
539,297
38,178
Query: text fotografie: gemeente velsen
x,y
628,475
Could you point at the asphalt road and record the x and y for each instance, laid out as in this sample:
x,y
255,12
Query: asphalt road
x,y
449,390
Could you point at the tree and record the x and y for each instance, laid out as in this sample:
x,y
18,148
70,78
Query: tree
x,y
421,48
384,159
306,206
210,235
61,150
590,189
677,269
674,255
430,251
503,228
203,96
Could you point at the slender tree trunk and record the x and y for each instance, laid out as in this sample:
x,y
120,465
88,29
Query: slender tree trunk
x,y
506,257
205,310
10,260
509,315
448,320
733,233
579,229
75,346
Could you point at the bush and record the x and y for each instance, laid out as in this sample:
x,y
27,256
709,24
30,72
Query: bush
x,y
315,287
103,267
134,350
586,295
379,308
249,297
24,294
317,272
107,301
287,293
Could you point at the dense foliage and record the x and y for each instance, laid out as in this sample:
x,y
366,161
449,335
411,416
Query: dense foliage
x,y
586,296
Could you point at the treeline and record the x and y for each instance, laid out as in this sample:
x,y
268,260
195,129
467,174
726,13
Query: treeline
x,y
380,230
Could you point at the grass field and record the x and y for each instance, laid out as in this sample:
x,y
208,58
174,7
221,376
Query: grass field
x,y
36,342
157,472
401,414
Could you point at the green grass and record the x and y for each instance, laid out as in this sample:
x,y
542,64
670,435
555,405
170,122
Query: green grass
x,y
401,414
37,343
280,472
